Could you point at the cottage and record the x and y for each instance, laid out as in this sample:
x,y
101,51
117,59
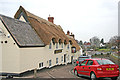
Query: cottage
x,y
28,42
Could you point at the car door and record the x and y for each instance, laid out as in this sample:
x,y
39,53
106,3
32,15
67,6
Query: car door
x,y
81,68
88,67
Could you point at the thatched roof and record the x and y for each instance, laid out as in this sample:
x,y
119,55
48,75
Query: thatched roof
x,y
45,29
22,33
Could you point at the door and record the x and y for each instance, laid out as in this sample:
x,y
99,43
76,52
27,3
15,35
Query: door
x,y
82,67
71,58
64,58
88,67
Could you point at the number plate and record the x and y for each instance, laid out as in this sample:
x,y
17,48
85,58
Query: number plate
x,y
109,68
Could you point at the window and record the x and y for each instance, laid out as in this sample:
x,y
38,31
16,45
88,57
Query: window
x,y
73,50
50,62
56,60
53,41
68,57
68,46
83,63
62,45
102,62
60,41
90,62
5,41
65,42
62,59
56,45
1,41
41,64
50,46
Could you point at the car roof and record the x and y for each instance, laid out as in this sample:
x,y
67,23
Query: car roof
x,y
96,59
83,56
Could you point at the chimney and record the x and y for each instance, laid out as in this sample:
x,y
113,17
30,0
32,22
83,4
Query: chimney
x,y
68,32
72,35
51,19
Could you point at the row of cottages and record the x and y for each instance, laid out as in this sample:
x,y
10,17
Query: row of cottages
x,y
28,42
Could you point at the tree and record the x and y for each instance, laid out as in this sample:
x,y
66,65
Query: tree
x,y
81,43
95,42
113,40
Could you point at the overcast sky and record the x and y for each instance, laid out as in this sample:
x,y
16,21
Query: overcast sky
x,y
84,18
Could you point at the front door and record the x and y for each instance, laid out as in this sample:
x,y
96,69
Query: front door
x,y
71,58
64,58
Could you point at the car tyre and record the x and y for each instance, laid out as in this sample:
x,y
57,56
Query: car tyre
x,y
93,76
114,78
76,73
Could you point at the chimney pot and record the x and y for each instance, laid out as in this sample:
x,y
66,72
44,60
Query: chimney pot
x,y
51,19
68,32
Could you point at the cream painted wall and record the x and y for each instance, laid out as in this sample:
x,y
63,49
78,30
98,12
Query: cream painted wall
x,y
31,57
9,52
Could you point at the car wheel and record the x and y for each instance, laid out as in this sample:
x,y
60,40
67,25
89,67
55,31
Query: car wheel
x,y
114,78
93,76
76,73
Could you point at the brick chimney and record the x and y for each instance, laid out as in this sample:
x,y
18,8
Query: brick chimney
x,y
51,19
68,32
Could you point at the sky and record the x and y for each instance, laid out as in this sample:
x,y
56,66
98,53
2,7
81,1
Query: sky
x,y
84,18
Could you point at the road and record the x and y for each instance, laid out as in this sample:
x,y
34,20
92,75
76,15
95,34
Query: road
x,y
64,72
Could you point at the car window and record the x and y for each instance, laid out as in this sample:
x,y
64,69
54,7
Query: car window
x,y
83,63
90,62
102,62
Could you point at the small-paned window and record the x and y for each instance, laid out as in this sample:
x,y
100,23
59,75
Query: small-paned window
x,y
70,42
1,41
50,62
65,42
50,46
62,45
56,45
61,58
5,41
41,64
68,57
60,41
56,60
68,46
90,62
53,40
73,49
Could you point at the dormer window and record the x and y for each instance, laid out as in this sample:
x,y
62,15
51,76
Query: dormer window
x,y
53,41
60,41
65,42
70,42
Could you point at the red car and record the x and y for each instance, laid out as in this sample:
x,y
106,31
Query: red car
x,y
97,68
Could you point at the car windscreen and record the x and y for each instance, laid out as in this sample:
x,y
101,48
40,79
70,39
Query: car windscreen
x,y
103,62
